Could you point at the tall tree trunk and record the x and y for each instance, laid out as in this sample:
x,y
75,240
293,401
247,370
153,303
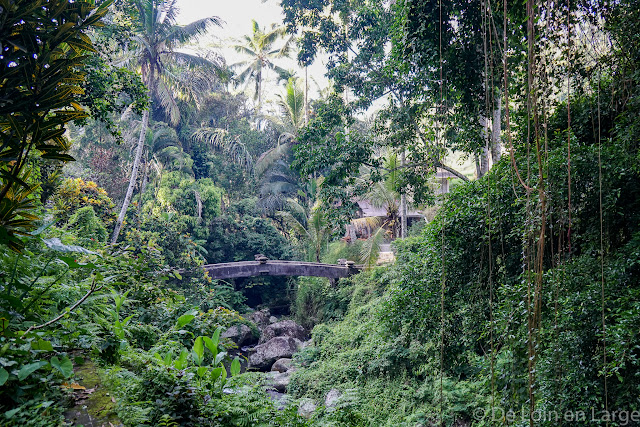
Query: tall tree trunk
x,y
403,203
496,142
198,204
143,188
133,179
259,89
484,154
484,161
306,95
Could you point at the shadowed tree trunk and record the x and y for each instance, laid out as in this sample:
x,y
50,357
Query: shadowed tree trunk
x,y
496,143
403,203
133,179
482,166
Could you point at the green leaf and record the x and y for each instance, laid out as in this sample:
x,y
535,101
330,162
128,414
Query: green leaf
x,y
198,351
235,367
223,377
73,264
181,363
42,228
219,357
215,373
64,365
14,302
177,275
126,321
57,245
11,413
52,155
27,370
185,319
41,345
202,370
4,376
213,348
216,336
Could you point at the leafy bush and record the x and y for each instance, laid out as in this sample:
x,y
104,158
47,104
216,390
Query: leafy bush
x,y
74,194
87,225
382,381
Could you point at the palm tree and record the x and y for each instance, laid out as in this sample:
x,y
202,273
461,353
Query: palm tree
x,y
385,194
292,106
277,182
218,139
259,47
156,37
310,225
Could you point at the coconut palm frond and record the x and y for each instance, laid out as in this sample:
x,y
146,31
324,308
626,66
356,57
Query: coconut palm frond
x,y
291,102
169,154
186,33
271,203
214,137
258,47
239,153
163,136
296,208
245,51
155,39
234,148
283,175
381,196
370,250
206,66
269,158
282,188
167,101
293,223
370,222
286,48
269,38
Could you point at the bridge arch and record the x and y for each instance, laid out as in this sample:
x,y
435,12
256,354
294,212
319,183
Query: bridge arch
x,y
232,270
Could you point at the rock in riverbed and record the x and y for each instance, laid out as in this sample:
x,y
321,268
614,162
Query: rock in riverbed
x,y
264,355
306,408
284,328
282,365
239,334
332,398
279,380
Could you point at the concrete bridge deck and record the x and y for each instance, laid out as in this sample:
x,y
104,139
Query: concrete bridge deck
x,y
232,270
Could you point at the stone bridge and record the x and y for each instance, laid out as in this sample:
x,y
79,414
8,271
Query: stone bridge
x,y
265,267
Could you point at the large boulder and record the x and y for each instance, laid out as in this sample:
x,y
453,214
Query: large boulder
x,y
282,365
280,399
279,380
239,334
260,317
332,398
264,355
306,408
284,328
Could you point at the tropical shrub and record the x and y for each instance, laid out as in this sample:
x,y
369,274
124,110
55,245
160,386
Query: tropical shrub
x,y
74,194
